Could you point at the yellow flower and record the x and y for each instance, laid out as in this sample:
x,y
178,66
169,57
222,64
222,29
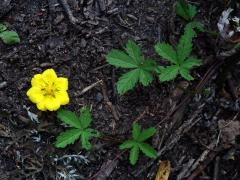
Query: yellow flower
x,y
48,91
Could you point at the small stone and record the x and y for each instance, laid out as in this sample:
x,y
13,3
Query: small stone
x,y
83,43
99,97
58,19
44,65
3,84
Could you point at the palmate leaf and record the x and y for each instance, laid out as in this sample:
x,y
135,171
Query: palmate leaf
x,y
168,73
137,143
85,117
134,154
182,9
10,37
184,69
191,62
145,77
67,137
80,129
127,144
134,52
85,137
146,72
69,117
143,69
148,65
185,73
2,27
192,11
167,52
184,47
128,81
118,58
185,10
197,25
147,150
136,131
146,134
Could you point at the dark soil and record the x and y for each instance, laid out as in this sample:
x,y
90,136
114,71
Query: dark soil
x,y
77,51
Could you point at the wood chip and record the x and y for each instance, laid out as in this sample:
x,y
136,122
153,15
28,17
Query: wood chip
x,y
163,170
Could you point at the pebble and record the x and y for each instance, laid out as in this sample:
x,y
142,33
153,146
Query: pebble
x,y
44,65
3,84
99,97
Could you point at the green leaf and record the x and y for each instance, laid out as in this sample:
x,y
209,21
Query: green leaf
x,y
9,37
148,150
192,11
167,52
159,69
148,65
127,81
67,137
85,117
184,47
127,144
2,27
185,74
146,133
145,77
85,137
136,131
95,133
69,118
185,10
120,59
191,62
134,51
134,154
197,25
168,73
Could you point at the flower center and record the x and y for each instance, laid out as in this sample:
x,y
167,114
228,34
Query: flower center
x,y
49,90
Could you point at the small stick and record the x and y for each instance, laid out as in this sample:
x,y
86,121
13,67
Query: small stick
x,y
90,87
141,115
203,165
216,168
109,103
68,11
109,164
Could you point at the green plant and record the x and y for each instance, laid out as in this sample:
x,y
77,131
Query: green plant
x,y
8,37
79,128
188,12
137,143
185,10
179,57
141,69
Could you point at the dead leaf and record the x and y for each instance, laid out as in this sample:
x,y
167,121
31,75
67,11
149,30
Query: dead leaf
x,y
229,131
163,170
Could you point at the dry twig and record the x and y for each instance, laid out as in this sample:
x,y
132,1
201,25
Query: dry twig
x,y
68,11
109,103
90,87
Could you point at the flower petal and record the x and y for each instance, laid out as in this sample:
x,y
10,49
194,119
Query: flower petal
x,y
37,81
41,105
49,76
62,96
35,94
51,103
61,84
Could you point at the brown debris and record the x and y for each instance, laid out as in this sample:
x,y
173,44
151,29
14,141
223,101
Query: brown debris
x,y
228,131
